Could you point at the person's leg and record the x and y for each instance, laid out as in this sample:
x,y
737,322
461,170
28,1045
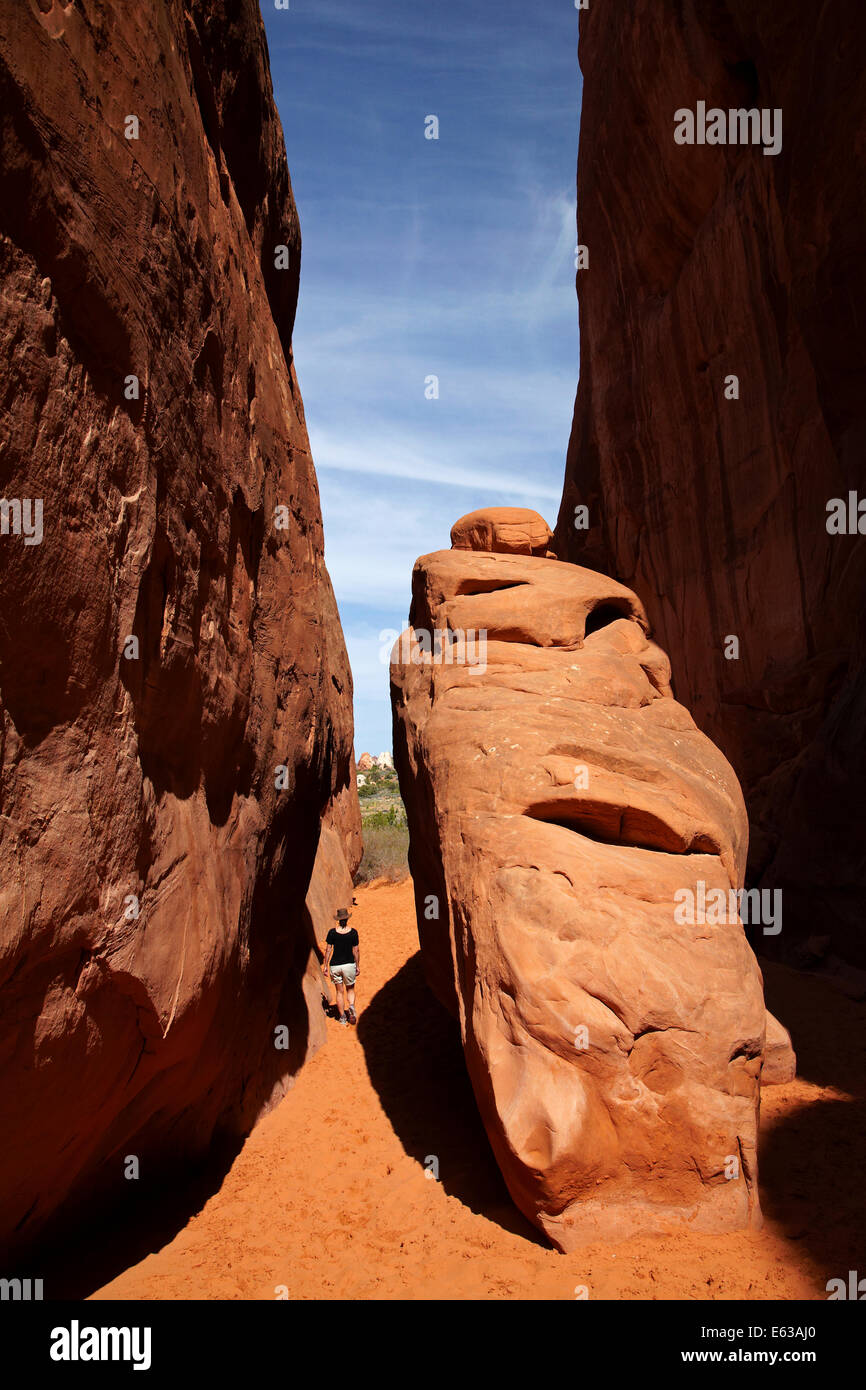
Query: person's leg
x,y
341,1008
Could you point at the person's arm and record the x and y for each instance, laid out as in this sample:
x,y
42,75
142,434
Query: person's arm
x,y
329,951
356,952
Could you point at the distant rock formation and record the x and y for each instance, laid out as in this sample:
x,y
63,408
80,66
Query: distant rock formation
x,y
720,407
176,720
564,811
366,762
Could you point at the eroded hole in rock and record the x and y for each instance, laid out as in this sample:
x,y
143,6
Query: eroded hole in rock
x,y
746,73
610,824
487,586
603,615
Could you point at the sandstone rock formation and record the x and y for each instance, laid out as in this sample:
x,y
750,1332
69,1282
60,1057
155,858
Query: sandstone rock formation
x,y
707,262
562,806
506,530
176,699
365,762
780,1061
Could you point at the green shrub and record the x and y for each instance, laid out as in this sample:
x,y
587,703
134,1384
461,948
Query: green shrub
x,y
380,819
386,850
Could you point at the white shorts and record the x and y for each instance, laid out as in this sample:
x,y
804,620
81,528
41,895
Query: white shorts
x,y
343,974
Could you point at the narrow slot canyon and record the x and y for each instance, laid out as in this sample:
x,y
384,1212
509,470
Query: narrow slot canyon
x,y
548,488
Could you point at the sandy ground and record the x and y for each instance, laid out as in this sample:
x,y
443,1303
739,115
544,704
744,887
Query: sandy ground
x,y
328,1197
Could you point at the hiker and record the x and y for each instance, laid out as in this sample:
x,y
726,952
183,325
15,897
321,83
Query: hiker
x,y
342,959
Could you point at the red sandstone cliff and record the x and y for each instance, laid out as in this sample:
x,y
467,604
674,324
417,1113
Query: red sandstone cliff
x,y
711,261
154,863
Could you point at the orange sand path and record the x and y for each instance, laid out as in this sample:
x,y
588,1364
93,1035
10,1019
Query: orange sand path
x,y
328,1196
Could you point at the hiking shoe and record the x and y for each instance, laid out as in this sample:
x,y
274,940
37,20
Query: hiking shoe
x,y
342,1020
351,1016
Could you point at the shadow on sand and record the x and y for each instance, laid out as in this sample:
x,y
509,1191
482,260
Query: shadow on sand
x,y
82,1257
811,1161
415,1060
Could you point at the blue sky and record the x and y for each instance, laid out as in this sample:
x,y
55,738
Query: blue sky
x,y
451,257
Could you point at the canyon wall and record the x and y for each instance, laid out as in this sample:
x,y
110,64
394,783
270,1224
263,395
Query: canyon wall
x,y
176,716
708,262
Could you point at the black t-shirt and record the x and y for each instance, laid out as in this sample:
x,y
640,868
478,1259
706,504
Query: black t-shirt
x,y
342,942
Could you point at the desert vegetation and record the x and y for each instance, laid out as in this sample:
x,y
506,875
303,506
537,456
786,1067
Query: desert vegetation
x,y
384,829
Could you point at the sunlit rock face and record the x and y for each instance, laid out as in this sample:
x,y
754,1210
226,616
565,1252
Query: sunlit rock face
x,y
506,530
564,811
718,429
176,700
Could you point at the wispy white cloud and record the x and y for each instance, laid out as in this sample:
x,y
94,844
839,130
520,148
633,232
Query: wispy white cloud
x,y
389,459
377,526
452,258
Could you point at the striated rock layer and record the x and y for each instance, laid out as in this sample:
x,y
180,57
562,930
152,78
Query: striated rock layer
x,y
707,261
561,803
154,863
